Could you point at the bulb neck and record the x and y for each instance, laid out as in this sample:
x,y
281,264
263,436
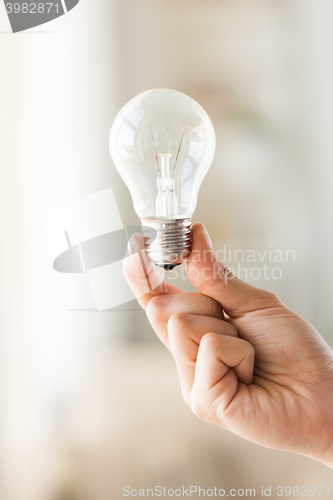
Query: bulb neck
x,y
168,241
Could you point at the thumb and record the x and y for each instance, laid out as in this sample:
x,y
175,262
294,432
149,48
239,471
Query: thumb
x,y
210,277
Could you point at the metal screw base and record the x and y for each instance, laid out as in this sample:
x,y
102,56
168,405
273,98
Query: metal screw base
x,y
168,241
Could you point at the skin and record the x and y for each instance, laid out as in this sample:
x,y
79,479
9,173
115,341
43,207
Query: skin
x,y
245,361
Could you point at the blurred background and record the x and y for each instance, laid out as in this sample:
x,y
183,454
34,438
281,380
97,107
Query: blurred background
x,y
90,400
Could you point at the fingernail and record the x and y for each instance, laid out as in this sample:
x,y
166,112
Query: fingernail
x,y
209,241
132,245
139,239
140,248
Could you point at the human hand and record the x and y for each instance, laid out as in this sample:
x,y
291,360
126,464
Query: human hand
x,y
245,361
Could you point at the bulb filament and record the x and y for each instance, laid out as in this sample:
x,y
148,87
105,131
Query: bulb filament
x,y
158,167
180,145
166,201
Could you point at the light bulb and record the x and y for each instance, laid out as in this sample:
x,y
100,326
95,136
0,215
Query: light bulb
x,y
162,143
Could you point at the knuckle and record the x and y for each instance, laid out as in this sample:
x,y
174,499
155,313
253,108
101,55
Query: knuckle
x,y
197,407
271,299
229,330
270,296
217,310
201,407
186,396
249,349
177,322
209,341
225,273
154,308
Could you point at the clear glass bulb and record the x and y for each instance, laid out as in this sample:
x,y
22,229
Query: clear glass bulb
x,y
162,143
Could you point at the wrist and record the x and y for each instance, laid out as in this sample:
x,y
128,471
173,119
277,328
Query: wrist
x,y
327,457
322,449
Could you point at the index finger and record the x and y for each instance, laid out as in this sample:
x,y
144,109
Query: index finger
x,y
141,275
